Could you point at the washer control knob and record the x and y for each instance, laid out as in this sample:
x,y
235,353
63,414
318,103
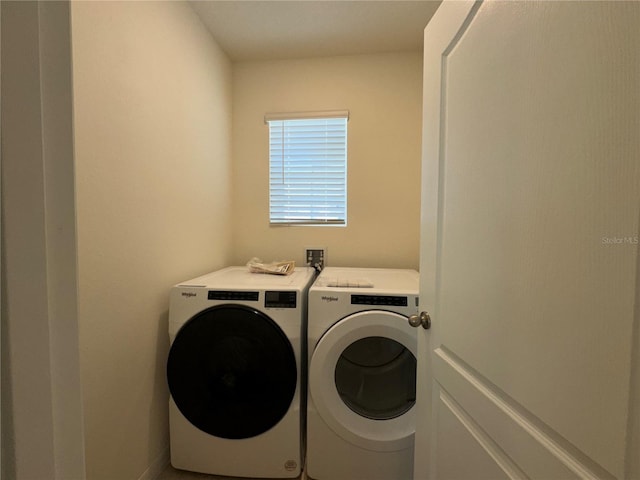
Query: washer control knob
x,y
423,320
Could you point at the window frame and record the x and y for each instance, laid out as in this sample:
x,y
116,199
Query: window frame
x,y
328,209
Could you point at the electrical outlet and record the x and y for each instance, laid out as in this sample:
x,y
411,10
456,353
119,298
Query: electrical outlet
x,y
316,257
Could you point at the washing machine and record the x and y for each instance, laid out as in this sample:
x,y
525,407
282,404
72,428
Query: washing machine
x,y
235,372
362,374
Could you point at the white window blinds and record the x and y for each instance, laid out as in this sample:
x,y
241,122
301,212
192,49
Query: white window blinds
x,y
308,169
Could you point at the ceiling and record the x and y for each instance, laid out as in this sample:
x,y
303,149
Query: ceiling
x,y
275,29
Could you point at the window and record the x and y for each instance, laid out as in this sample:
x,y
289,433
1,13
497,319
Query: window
x,y
308,168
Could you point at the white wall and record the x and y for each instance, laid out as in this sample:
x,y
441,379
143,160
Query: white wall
x,y
384,96
153,151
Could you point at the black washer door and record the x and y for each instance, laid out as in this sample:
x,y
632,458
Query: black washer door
x,y
232,372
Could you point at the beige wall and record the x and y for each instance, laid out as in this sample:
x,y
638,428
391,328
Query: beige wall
x,y
152,95
384,96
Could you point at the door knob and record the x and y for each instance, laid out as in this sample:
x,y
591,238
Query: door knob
x,y
423,319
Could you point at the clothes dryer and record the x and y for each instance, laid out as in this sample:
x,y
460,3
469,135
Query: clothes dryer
x,y
235,372
362,374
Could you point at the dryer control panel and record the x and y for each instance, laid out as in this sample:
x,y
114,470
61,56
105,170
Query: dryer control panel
x,y
388,300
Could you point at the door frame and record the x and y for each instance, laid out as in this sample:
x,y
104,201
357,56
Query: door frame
x,y
43,415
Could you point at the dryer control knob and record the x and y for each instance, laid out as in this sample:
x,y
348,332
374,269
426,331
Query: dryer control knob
x,y
423,320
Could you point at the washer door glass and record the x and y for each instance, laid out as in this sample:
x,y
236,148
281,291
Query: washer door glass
x,y
376,378
232,372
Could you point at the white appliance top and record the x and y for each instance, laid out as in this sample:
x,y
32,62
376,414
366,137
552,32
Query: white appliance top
x,y
368,280
232,278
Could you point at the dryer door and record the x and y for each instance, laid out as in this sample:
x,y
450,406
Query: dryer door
x,y
232,372
362,379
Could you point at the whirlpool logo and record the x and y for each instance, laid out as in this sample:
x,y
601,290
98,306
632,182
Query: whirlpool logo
x,y
188,294
328,299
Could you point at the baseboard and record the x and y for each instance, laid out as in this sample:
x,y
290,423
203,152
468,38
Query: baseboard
x,y
157,466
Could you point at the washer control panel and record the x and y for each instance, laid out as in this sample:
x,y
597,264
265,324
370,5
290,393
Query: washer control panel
x,y
233,295
280,299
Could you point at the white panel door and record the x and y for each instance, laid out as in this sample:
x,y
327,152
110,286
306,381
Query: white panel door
x,y
529,250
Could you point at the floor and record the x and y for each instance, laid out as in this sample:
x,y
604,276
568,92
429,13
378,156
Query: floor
x,y
170,473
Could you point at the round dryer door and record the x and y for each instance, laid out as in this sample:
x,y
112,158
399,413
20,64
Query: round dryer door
x,y
362,378
232,372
